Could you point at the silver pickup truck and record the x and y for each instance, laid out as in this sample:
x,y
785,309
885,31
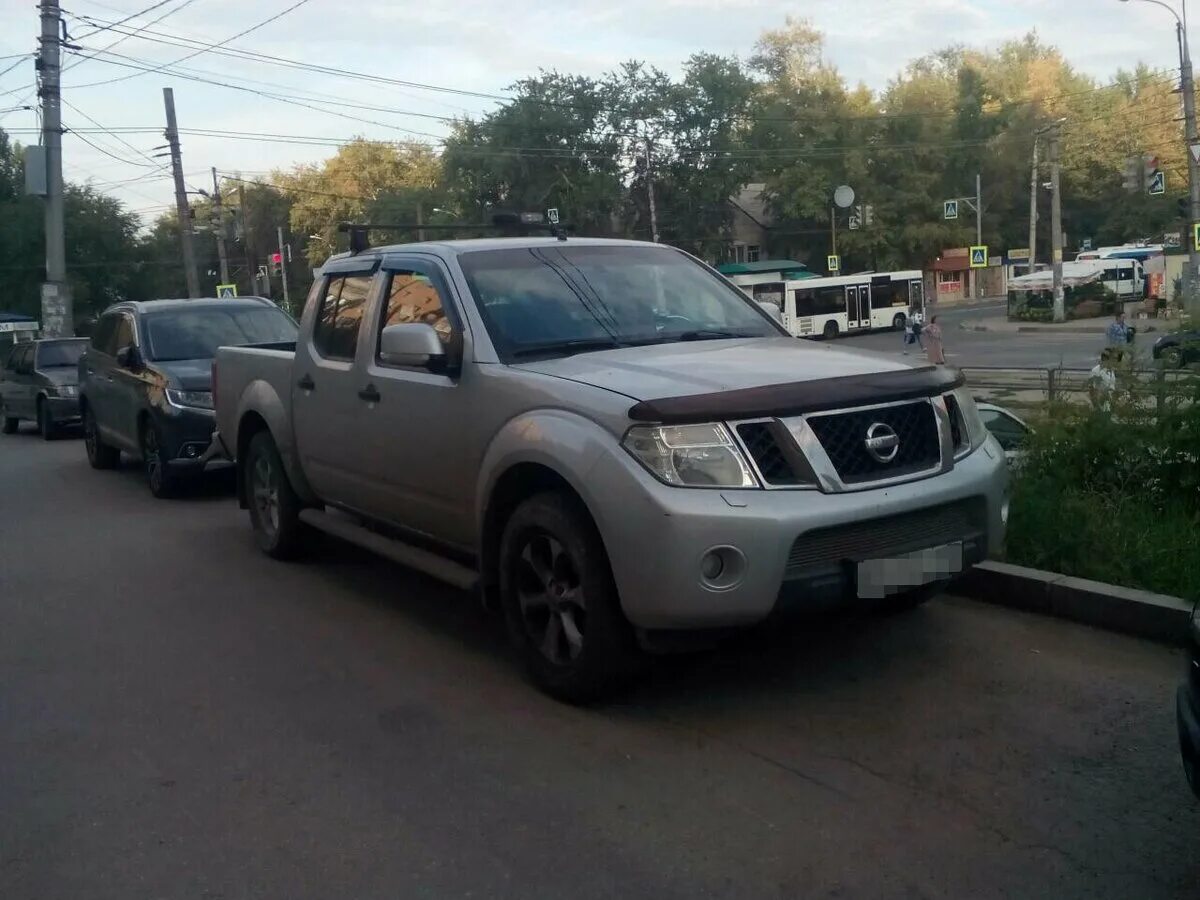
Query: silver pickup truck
x,y
608,440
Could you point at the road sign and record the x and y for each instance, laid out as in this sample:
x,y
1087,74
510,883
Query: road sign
x,y
856,218
1196,235
1195,148
552,216
226,290
979,256
833,263
1086,244
843,196
1018,253
1171,239
950,209
1156,184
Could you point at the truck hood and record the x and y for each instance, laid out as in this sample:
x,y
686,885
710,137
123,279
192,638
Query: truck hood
x,y
187,374
711,367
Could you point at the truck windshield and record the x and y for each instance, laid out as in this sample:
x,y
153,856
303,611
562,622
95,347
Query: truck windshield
x,y
52,354
567,299
197,333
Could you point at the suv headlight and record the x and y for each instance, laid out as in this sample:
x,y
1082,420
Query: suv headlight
x,y
690,455
969,420
190,399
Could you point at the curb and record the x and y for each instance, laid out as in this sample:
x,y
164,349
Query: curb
x,y
1126,610
1039,329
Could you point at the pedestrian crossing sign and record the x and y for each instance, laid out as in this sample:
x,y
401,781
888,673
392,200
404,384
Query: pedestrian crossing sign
x,y
833,263
979,256
1196,235
226,291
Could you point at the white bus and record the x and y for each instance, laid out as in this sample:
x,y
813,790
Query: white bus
x,y
831,306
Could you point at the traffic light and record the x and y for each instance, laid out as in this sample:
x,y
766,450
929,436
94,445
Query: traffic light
x,y
1149,171
276,264
868,215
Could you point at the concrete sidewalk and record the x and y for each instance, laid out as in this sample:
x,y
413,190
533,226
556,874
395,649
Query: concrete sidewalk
x,y
1079,326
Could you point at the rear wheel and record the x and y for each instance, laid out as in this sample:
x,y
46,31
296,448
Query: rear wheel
x,y
46,426
564,615
8,424
99,454
274,505
164,483
830,331
1172,357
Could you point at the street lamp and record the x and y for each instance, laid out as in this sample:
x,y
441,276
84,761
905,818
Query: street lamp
x,y
1187,88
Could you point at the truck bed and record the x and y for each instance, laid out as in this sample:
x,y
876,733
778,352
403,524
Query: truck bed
x,y
259,376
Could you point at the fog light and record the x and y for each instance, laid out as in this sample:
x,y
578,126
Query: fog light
x,y
712,566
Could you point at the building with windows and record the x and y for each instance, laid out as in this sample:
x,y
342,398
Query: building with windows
x,y
750,224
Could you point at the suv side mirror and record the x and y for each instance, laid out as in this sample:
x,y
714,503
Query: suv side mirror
x,y
129,358
412,344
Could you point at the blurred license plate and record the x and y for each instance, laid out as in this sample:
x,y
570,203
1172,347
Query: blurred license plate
x,y
878,578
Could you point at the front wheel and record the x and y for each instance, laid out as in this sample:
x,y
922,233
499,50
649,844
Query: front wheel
x,y
274,505
99,454
1172,358
163,482
562,608
830,331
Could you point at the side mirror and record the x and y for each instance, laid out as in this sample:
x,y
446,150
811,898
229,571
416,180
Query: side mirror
x,y
413,344
129,358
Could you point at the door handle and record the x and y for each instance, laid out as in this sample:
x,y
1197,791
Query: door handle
x,y
306,383
369,394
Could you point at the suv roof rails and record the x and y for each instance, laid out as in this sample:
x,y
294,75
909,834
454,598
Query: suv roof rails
x,y
511,223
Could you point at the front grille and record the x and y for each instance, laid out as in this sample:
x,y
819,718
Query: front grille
x,y
963,520
844,436
764,449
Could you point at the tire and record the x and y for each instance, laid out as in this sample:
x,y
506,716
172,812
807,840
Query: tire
x,y
1172,357
162,481
830,331
561,604
46,426
8,424
273,503
899,321
99,454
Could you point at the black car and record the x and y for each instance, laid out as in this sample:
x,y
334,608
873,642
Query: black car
x,y
1187,709
1179,349
39,382
145,380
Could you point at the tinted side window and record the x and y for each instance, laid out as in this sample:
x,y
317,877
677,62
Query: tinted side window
x,y
122,336
20,358
103,335
414,298
339,318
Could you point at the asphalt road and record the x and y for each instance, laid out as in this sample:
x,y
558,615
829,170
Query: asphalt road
x,y
184,718
986,348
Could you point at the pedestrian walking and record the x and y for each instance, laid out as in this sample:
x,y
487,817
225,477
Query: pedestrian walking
x,y
933,337
1119,335
910,336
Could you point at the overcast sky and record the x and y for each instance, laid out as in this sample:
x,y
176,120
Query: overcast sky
x,y
480,46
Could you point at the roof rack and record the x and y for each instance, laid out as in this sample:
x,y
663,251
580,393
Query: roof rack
x,y
513,224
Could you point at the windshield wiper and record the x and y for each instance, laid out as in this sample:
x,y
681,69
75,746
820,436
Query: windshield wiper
x,y
707,334
577,345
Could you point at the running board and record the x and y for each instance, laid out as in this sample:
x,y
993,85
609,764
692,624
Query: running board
x,y
431,564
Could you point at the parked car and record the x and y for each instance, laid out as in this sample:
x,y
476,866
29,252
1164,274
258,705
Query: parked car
x,y
1187,708
607,438
40,383
145,380
1179,349
1009,430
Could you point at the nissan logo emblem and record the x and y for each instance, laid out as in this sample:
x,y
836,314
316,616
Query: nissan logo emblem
x,y
882,442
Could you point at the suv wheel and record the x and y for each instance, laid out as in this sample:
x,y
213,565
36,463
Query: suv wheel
x,y
99,454
830,331
163,482
8,424
46,426
561,604
274,505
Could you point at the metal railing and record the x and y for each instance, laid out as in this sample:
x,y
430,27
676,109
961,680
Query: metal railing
x,y
1036,386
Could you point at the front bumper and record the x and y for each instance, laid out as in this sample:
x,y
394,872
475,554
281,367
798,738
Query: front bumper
x,y
795,548
187,436
63,410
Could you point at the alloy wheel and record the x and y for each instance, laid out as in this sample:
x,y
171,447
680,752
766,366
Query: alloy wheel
x,y
552,603
265,492
152,453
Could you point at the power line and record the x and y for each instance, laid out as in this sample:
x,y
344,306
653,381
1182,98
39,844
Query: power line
x,y
119,139
252,28
126,35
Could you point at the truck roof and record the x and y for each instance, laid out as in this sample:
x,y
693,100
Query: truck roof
x,y
472,245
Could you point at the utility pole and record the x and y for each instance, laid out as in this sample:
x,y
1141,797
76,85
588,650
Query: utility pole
x,y
420,222
1192,282
181,202
978,211
1056,254
833,230
287,303
58,319
1033,206
219,228
247,251
650,192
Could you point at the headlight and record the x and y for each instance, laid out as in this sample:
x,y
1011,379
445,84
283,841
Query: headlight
x,y
190,399
690,455
976,431
63,390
